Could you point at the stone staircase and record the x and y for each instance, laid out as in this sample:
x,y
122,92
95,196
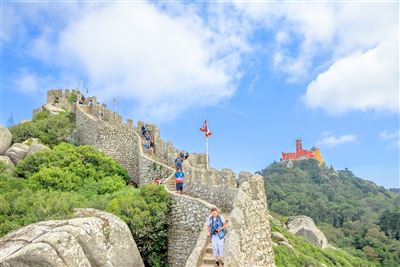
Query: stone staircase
x,y
200,253
208,259
103,128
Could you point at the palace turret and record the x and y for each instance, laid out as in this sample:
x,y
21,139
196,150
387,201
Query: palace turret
x,y
301,153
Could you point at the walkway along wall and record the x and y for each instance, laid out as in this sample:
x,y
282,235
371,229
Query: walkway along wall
x,y
248,241
187,220
119,141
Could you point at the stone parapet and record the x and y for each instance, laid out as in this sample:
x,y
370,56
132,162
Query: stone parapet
x,y
248,243
187,222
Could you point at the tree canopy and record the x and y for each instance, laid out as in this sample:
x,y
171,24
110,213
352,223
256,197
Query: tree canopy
x,y
355,214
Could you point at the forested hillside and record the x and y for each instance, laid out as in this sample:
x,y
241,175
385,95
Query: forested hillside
x,y
354,214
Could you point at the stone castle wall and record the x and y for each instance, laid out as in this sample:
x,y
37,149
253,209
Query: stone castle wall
x,y
60,98
186,223
165,152
217,187
116,141
248,243
119,141
246,204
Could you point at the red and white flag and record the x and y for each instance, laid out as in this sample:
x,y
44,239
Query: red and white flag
x,y
205,129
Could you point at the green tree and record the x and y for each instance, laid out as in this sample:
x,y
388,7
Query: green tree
x,y
50,129
390,223
346,206
145,211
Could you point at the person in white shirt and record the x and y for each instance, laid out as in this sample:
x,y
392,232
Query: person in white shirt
x,y
217,231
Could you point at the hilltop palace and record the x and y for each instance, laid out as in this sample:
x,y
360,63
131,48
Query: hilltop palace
x,y
301,153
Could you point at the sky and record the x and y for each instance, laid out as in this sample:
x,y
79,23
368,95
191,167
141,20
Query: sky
x,y
262,74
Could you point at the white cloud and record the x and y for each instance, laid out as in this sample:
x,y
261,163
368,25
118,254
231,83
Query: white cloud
x,y
332,141
164,63
360,81
352,48
32,83
167,58
27,83
393,138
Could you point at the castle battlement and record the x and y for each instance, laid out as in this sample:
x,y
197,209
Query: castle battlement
x,y
242,199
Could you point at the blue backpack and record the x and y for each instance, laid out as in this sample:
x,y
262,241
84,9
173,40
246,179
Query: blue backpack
x,y
216,225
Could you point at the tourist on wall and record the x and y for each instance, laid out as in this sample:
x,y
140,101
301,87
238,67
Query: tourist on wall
x,y
147,138
217,231
179,175
143,130
178,163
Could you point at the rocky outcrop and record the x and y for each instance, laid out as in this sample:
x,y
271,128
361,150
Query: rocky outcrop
x,y
305,227
17,152
92,238
5,139
36,148
53,109
278,237
286,244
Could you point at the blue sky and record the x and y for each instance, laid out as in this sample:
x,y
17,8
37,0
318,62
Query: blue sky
x,y
263,74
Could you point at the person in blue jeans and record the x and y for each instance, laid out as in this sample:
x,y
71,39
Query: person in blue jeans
x,y
179,175
216,231
178,163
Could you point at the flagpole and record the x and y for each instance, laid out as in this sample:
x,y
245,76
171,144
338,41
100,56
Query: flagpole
x,y
207,150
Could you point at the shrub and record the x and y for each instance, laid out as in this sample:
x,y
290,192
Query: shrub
x,y
50,129
145,211
23,202
306,254
72,97
50,184
3,169
70,168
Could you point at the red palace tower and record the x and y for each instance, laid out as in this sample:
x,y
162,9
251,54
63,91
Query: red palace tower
x,y
302,153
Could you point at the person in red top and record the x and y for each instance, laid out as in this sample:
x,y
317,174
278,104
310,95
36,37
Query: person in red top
x,y
179,180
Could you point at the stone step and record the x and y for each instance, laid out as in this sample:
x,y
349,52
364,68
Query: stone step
x,y
208,259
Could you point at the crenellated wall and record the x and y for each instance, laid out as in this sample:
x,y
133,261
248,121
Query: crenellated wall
x,y
217,187
248,243
186,223
116,140
164,151
243,200
60,98
119,141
